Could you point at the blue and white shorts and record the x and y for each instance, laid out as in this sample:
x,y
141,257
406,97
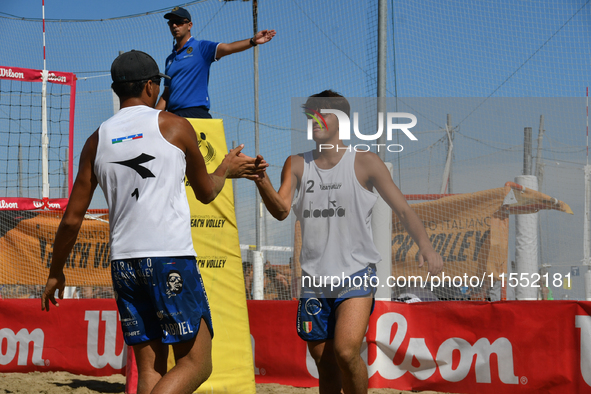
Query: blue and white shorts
x,y
317,307
160,298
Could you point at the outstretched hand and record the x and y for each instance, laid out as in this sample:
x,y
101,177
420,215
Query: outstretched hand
x,y
243,166
264,36
434,261
259,160
53,283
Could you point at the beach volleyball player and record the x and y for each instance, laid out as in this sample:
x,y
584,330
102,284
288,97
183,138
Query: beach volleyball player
x,y
333,205
140,158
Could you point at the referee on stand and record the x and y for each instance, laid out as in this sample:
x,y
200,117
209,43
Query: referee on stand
x,y
186,93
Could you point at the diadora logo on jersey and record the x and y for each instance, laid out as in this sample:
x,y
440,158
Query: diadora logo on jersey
x,y
334,210
329,186
136,164
128,138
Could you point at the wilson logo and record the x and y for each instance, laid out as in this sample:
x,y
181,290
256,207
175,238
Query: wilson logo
x,y
21,341
51,77
109,356
422,362
38,204
54,205
8,205
8,73
584,323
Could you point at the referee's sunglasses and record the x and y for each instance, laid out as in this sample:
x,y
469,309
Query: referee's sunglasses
x,y
178,22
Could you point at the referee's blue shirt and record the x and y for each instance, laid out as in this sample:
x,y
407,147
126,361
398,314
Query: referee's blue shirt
x,y
189,73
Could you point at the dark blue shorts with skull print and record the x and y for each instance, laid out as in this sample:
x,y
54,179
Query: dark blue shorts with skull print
x,y
160,298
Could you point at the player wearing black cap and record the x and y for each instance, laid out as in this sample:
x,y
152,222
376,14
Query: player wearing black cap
x,y
140,157
186,94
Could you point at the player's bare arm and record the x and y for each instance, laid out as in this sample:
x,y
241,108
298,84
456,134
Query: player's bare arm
x,y
278,203
262,37
69,227
179,132
372,172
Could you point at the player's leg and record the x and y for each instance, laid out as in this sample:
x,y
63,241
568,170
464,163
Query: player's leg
x,y
329,373
193,365
151,363
184,318
316,327
352,318
139,323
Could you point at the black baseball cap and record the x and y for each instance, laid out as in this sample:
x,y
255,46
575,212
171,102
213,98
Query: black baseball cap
x,y
178,12
134,66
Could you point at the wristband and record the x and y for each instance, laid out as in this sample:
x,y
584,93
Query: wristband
x,y
254,44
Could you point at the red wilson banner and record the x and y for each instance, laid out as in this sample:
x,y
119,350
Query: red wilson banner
x,y
82,337
30,75
27,204
460,347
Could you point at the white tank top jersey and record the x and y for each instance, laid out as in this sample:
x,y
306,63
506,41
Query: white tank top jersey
x,y
142,176
334,211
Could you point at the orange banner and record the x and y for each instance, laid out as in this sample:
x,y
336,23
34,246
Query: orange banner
x,y
468,230
26,247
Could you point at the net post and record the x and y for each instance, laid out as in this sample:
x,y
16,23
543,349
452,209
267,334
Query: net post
x,y
71,135
526,243
382,67
446,180
44,137
586,237
381,227
258,280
